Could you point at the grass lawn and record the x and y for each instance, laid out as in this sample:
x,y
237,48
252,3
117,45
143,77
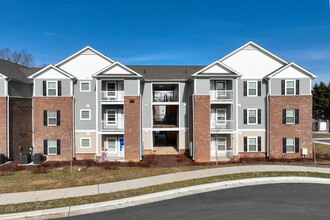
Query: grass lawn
x,y
61,177
146,190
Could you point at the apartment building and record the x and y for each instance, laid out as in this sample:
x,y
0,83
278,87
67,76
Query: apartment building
x,y
15,108
249,103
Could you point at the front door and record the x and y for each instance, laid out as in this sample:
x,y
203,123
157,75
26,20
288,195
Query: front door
x,y
121,147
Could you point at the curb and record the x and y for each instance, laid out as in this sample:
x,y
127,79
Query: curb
x,y
159,196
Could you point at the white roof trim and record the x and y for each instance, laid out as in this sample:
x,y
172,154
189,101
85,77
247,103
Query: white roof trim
x,y
51,67
119,64
219,63
82,50
257,46
295,65
3,76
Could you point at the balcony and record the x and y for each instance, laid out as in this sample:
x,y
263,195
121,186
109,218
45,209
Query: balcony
x,y
225,125
221,95
112,96
165,123
165,93
165,116
113,126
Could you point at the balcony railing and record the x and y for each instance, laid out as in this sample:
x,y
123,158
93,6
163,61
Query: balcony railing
x,y
108,126
221,95
222,125
165,98
112,96
166,123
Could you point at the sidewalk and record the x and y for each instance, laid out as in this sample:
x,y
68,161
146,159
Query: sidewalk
x,y
34,196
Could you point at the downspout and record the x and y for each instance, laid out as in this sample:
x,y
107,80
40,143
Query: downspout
x,y
267,106
8,119
73,122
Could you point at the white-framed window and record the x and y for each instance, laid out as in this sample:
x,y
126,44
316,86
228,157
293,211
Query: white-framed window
x,y
221,144
290,88
85,86
85,142
290,116
252,88
112,145
111,116
252,116
52,118
85,114
111,89
51,88
290,145
52,147
252,144
221,88
221,116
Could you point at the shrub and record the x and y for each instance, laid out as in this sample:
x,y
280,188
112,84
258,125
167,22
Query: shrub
x,y
110,165
181,157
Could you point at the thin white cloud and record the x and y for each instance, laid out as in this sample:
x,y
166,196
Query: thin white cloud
x,y
49,34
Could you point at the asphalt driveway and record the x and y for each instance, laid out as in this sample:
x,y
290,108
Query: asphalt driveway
x,y
272,201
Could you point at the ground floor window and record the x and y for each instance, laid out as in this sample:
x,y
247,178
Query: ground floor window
x,y
111,145
290,145
221,143
85,142
252,144
52,147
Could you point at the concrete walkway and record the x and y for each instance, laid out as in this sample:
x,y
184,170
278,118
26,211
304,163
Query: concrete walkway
x,y
34,196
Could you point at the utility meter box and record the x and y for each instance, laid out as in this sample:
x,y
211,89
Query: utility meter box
x,y
304,151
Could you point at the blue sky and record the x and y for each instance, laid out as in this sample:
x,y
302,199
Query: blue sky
x,y
169,32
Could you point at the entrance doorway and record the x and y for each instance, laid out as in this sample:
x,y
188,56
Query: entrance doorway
x,y
165,142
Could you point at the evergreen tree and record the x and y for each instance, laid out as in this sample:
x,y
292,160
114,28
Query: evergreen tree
x,y
321,100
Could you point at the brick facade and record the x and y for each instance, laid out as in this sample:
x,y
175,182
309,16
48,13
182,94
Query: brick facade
x,y
20,129
132,127
278,130
202,136
3,125
85,156
63,132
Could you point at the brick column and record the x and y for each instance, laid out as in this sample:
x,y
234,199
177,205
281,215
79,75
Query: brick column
x,y
63,132
202,134
132,128
278,130
3,125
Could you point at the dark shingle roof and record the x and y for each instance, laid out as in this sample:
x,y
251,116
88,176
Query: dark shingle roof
x,y
165,72
16,72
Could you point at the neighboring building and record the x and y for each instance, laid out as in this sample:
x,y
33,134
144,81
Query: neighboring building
x,y
250,103
15,108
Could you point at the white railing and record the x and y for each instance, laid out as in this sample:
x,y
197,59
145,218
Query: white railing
x,y
112,96
221,95
108,126
222,125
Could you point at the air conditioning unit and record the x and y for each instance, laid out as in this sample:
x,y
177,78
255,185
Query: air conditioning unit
x,y
304,151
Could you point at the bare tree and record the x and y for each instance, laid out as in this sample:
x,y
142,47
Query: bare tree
x,y
20,57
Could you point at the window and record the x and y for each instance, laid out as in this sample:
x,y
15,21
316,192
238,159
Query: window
x,y
252,88
52,118
221,143
252,116
252,144
84,86
290,145
111,117
290,116
290,87
85,142
111,145
85,114
111,88
221,116
51,88
52,147
221,87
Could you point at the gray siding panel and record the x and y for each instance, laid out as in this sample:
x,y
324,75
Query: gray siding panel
x,y
258,102
85,100
65,86
146,105
131,87
304,86
2,87
183,105
19,89
202,87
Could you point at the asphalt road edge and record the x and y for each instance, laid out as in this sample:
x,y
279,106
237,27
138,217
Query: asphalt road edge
x,y
155,197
